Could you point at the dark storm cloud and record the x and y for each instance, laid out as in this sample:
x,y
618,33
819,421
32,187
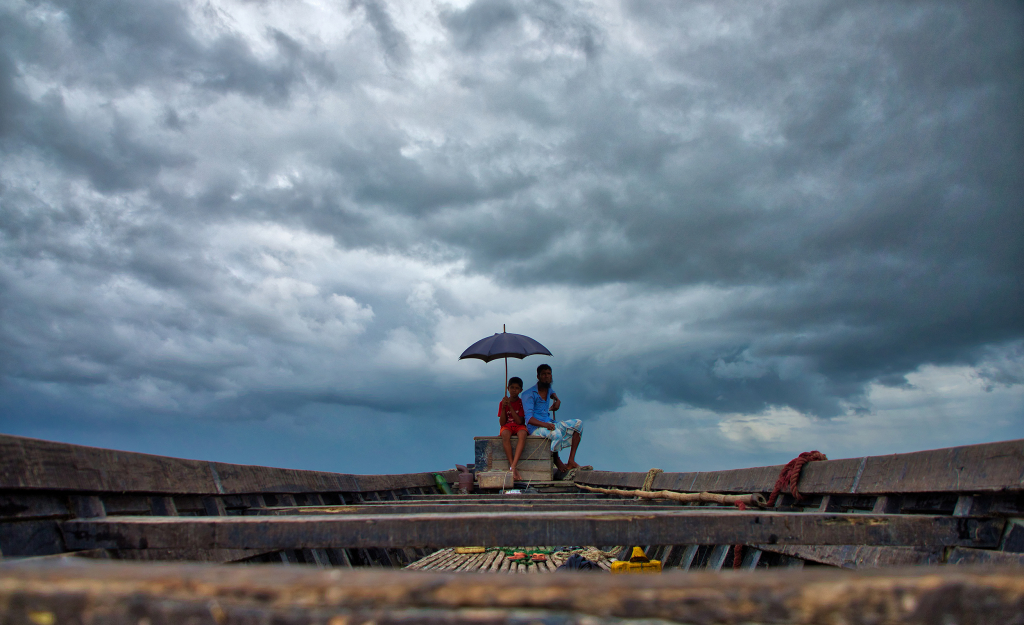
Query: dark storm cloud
x,y
248,210
113,160
117,44
492,23
380,174
394,42
477,24
910,254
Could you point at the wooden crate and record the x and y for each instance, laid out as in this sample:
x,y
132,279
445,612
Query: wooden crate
x,y
534,465
494,479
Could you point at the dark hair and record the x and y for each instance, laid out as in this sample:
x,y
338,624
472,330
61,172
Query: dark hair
x,y
543,367
515,380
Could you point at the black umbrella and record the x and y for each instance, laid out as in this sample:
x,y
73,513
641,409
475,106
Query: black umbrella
x,y
505,345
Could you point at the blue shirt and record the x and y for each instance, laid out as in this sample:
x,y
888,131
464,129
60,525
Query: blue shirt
x,y
536,407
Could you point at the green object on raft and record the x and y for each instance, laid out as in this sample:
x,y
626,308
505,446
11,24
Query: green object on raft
x,y
442,484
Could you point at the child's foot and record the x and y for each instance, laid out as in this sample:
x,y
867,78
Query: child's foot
x,y
515,475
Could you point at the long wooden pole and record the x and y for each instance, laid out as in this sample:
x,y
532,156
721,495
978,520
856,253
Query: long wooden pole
x,y
755,499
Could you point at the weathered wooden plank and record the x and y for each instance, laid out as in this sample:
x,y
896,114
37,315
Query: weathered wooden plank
x,y
87,506
443,562
886,504
489,560
436,559
115,505
989,467
751,557
425,560
622,505
860,556
448,562
27,463
98,554
527,475
219,556
498,497
717,557
492,447
972,468
544,466
163,506
31,463
499,561
23,506
533,528
31,538
966,555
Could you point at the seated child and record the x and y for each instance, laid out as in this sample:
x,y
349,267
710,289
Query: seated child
x,y
512,418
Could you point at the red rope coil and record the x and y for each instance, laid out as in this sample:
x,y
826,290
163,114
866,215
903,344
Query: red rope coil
x,y
790,475
788,478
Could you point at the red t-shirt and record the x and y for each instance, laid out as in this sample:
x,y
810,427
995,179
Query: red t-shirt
x,y
516,408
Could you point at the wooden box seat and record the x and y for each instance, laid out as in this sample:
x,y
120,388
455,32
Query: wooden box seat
x,y
534,465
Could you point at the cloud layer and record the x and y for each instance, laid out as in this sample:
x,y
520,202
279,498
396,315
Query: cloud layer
x,y
276,221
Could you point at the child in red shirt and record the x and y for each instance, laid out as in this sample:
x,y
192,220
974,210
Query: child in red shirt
x,y
512,418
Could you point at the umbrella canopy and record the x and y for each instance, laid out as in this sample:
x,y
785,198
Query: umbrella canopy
x,y
504,345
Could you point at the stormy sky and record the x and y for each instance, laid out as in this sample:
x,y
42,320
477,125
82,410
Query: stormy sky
x,y
262,231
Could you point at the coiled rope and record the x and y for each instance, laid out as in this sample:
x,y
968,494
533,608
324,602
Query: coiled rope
x,y
790,475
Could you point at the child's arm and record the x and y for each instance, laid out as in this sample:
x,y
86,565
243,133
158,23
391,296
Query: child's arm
x,y
517,417
503,412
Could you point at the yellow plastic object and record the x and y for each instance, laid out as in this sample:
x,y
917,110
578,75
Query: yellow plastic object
x,y
470,549
638,563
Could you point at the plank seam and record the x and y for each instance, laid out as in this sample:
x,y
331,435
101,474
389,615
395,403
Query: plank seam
x,y
860,471
216,478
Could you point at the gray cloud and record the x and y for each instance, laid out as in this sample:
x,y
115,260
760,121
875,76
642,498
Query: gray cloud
x,y
394,42
480,21
253,211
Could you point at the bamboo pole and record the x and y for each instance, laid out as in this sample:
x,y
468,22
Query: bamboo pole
x,y
755,499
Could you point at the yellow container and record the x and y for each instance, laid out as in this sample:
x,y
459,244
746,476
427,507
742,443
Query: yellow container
x,y
637,563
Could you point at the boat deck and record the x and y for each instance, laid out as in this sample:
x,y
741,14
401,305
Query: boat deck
x,y
67,512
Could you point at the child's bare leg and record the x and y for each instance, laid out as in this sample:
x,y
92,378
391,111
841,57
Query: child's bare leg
x,y
506,442
572,451
520,446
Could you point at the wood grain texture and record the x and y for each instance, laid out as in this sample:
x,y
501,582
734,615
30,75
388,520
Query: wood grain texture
x,y
860,556
990,467
968,556
535,460
531,528
21,505
493,508
218,556
102,592
27,463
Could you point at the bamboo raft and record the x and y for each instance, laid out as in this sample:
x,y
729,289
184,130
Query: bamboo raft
x,y
135,525
497,561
